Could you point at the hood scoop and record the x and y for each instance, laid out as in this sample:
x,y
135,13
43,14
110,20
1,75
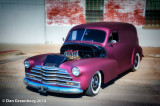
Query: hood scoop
x,y
54,60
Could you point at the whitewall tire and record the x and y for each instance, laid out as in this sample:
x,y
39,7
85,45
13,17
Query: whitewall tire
x,y
95,84
136,62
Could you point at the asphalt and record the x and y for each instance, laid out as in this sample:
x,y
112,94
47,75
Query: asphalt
x,y
140,88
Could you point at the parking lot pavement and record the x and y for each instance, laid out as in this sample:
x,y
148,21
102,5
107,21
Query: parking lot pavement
x,y
130,88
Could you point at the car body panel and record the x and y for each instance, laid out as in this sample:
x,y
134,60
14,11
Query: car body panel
x,y
89,66
119,56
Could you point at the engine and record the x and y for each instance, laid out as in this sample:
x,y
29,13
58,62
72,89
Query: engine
x,y
72,55
80,51
74,51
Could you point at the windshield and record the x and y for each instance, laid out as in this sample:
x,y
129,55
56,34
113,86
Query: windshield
x,y
87,35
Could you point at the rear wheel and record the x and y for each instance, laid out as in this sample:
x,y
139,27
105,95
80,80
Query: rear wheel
x,y
136,62
95,84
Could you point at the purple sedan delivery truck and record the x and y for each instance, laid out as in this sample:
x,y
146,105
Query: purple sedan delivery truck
x,y
92,54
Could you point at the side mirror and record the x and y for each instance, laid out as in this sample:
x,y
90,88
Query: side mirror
x,y
110,45
113,41
63,39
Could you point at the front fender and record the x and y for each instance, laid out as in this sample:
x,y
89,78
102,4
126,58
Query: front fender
x,y
88,67
36,60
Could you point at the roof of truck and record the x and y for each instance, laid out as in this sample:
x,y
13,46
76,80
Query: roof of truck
x,y
109,25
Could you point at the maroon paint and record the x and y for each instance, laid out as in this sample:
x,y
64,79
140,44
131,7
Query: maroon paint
x,y
119,58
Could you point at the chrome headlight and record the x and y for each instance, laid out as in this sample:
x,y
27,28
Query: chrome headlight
x,y
26,64
75,71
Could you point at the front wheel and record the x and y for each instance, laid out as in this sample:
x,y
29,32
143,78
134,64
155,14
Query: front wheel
x,y
95,84
136,62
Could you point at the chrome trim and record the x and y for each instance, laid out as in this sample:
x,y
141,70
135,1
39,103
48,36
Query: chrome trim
x,y
55,72
55,79
33,75
36,72
63,81
57,76
52,83
50,88
34,79
52,68
38,66
52,75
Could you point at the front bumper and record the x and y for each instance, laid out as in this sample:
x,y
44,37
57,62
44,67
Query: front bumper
x,y
48,88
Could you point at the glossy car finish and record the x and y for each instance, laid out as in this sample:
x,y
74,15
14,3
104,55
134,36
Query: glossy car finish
x,y
120,56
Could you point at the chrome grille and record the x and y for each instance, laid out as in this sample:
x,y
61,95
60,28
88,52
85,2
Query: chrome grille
x,y
52,75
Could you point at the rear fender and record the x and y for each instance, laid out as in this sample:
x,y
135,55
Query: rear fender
x,y
137,49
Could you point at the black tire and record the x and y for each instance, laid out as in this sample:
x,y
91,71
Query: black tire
x,y
136,62
94,85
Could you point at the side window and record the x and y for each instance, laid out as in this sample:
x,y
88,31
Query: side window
x,y
113,38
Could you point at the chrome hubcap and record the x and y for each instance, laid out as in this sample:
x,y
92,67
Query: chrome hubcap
x,y
136,61
95,82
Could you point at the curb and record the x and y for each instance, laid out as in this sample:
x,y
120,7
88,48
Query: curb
x,y
9,51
